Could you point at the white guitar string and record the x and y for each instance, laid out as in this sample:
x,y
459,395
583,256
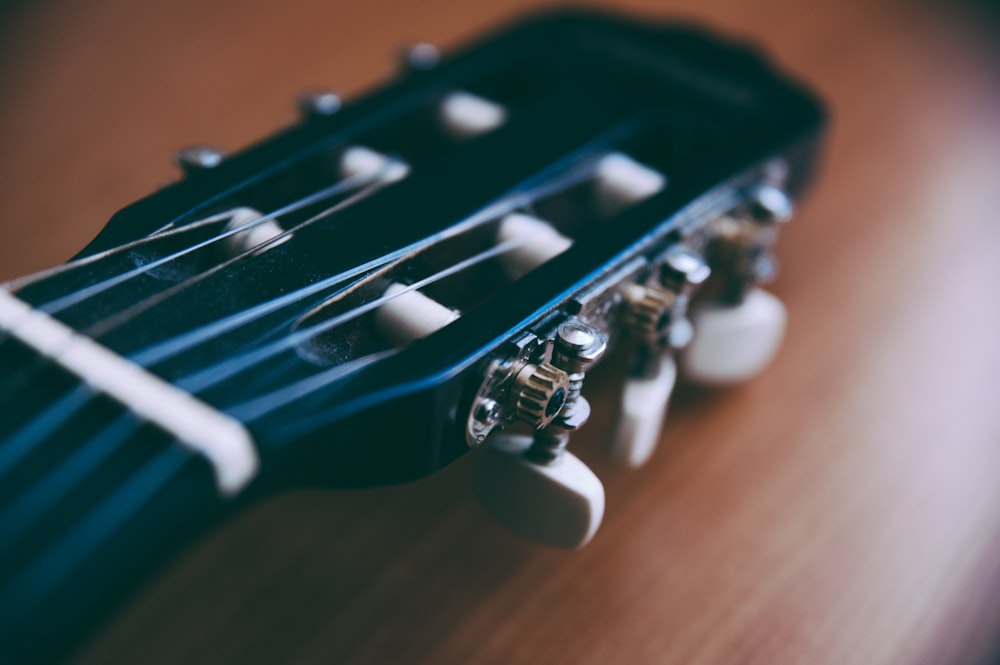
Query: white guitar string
x,y
508,204
111,322
19,322
165,232
341,187
214,374
164,351
80,295
330,191
61,480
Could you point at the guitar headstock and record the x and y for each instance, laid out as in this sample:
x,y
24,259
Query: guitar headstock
x,y
385,285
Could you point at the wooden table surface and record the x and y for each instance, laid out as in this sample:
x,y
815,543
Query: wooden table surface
x,y
843,508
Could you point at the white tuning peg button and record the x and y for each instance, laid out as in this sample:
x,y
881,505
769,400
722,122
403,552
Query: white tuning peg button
x,y
622,181
732,343
257,232
536,242
409,315
466,115
559,504
643,408
361,162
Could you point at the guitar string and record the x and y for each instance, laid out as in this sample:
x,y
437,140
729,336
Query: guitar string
x,y
167,231
117,508
374,180
522,200
45,423
341,186
32,368
47,571
109,323
37,430
65,477
214,374
334,190
583,171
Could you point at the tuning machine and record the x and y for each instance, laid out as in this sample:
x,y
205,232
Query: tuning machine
x,y
655,314
532,484
738,335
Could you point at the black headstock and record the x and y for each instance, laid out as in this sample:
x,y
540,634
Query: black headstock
x,y
573,87
376,290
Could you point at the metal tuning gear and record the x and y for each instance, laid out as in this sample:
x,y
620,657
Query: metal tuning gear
x,y
532,484
656,315
739,334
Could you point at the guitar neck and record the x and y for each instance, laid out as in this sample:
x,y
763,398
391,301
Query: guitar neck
x,y
89,504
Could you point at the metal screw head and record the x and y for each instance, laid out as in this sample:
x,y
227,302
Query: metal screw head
x,y
487,412
313,103
577,346
684,266
421,56
198,158
770,204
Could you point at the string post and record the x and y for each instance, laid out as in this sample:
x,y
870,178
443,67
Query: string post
x,y
197,158
317,103
576,347
420,57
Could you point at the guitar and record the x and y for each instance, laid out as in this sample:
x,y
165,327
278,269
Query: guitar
x,y
366,296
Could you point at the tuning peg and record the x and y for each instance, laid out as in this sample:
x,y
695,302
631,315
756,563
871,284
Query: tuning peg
x,y
657,316
733,343
644,402
195,158
622,181
466,115
409,315
771,204
362,162
536,242
257,233
533,485
558,503
420,56
317,103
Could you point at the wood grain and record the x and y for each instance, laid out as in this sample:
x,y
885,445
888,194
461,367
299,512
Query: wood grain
x,y
844,508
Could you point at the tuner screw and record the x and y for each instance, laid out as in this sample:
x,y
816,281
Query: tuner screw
x,y
539,393
682,268
195,158
421,56
487,412
771,204
317,103
577,347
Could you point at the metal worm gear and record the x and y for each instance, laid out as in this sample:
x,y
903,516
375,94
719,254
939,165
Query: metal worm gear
x,y
539,393
649,310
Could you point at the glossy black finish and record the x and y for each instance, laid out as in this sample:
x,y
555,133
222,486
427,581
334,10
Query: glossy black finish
x,y
576,85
